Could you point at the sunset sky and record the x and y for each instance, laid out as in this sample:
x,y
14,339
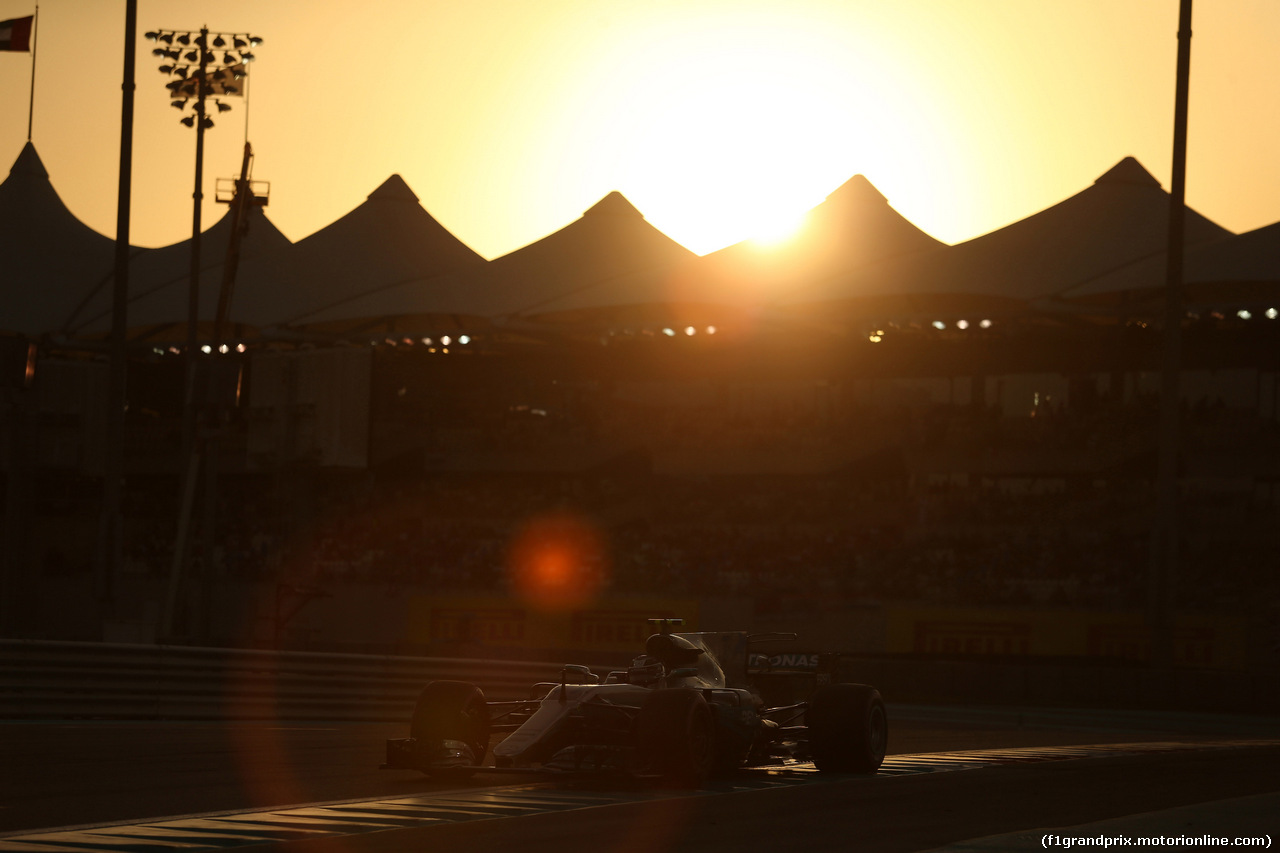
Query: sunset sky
x,y
718,119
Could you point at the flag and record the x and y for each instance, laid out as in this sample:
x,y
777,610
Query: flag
x,y
15,34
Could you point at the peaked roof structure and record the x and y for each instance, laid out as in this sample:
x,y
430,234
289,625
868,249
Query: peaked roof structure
x,y
855,226
611,242
1243,269
384,257
264,287
1121,218
52,260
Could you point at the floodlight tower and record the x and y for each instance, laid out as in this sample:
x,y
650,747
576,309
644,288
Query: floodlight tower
x,y
198,73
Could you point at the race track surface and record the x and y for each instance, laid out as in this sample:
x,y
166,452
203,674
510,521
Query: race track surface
x,y
90,772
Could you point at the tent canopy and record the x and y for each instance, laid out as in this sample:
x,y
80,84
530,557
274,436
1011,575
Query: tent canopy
x,y
581,263
1123,217
158,284
389,266
52,260
1243,269
855,226
386,256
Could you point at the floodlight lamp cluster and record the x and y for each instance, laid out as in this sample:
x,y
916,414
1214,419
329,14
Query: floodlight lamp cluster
x,y
961,324
203,64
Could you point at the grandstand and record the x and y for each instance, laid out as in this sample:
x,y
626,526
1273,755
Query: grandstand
x,y
865,419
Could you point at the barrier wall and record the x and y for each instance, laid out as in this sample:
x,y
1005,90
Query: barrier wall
x,y
1067,686
44,680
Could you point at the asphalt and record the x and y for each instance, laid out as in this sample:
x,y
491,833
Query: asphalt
x,y
76,772
1204,825
73,772
909,813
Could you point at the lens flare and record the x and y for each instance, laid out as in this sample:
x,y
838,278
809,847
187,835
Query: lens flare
x,y
557,562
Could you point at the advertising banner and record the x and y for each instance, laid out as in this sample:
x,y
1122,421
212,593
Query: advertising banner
x,y
1201,641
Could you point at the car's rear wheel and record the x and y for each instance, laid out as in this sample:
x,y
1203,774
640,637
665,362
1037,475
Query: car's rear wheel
x,y
675,739
450,725
848,728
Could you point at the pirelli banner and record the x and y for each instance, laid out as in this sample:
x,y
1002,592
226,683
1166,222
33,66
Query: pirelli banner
x,y
501,623
1217,642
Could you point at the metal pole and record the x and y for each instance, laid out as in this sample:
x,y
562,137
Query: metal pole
x,y
239,214
110,544
193,278
214,403
190,439
169,619
31,104
1164,551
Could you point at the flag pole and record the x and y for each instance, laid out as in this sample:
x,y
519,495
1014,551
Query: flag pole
x,y
31,104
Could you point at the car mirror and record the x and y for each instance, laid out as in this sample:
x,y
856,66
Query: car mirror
x,y
574,674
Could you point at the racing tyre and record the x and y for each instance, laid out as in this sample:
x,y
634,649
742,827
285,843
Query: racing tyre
x,y
848,728
451,718
675,739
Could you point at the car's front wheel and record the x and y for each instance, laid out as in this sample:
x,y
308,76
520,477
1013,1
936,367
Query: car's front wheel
x,y
450,727
675,739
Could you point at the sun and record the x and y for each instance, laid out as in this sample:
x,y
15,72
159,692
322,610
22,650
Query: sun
x,y
771,232
721,132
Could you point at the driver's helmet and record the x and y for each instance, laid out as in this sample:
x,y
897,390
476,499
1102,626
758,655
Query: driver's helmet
x,y
645,671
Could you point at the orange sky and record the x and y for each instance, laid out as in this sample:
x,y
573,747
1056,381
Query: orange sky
x,y
719,119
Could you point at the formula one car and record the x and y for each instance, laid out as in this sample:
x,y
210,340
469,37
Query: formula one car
x,y
683,711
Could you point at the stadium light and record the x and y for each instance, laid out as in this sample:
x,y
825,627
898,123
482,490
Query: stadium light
x,y
203,76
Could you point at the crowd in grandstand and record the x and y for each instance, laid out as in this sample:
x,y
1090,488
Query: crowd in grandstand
x,y
897,534
975,546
